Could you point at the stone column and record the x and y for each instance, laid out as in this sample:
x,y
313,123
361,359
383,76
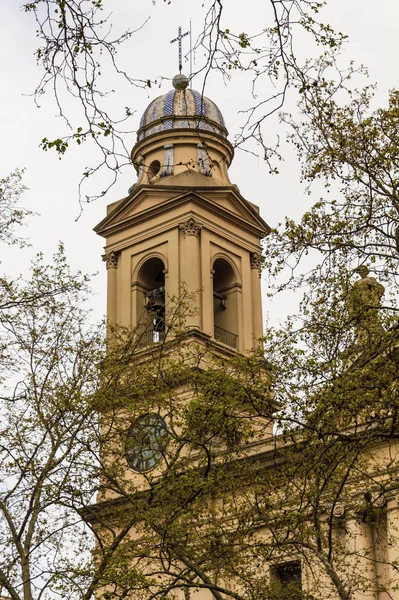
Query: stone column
x,y
393,548
111,263
361,559
257,322
192,272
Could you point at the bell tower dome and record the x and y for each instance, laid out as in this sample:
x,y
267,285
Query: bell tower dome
x,y
184,229
180,132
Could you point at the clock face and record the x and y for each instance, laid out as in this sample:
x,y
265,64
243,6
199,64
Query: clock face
x,y
146,441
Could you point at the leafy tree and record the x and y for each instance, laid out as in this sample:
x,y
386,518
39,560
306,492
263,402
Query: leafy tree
x,y
231,504
352,150
49,365
11,213
66,411
336,360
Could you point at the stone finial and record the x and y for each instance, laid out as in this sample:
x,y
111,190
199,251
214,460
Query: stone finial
x,y
180,81
191,227
111,260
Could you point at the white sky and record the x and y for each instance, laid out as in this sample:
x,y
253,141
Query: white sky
x,y
374,41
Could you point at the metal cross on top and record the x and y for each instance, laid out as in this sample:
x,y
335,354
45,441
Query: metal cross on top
x,y
179,39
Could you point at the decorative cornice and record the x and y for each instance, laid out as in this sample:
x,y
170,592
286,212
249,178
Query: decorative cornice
x,y
122,217
111,259
191,227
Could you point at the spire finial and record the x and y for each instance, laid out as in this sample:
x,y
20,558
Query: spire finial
x,y
179,38
180,82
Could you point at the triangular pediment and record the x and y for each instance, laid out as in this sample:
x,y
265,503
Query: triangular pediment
x,y
151,202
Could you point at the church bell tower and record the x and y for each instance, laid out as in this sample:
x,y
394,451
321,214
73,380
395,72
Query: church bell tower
x,y
184,236
185,229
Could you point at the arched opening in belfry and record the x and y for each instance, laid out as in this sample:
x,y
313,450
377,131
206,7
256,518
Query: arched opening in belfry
x,y
151,281
225,303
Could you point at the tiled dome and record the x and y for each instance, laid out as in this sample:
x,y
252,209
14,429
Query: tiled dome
x,y
181,109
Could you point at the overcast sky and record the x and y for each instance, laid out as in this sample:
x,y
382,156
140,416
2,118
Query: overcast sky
x,y
373,41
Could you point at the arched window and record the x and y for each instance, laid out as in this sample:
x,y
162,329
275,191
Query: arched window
x,y
153,169
225,303
151,292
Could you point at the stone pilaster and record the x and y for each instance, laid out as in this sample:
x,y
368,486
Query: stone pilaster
x,y
257,322
111,263
361,558
392,515
192,271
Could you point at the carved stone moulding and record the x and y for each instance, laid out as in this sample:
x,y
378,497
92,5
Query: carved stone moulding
x,y
191,227
378,500
339,510
111,259
256,260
